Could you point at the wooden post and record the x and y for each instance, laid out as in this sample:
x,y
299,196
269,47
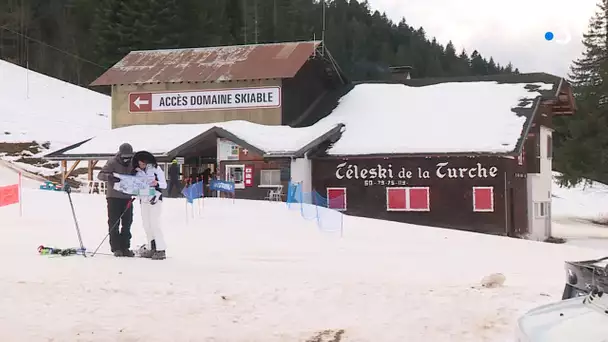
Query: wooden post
x,y
92,164
64,168
67,174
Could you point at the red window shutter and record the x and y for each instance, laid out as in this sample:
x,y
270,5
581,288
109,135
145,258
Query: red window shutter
x,y
419,199
396,199
483,198
336,198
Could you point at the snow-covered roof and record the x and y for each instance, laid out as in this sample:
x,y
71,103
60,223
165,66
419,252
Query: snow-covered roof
x,y
162,140
36,107
444,117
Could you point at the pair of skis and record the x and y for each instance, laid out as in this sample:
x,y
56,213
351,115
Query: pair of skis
x,y
42,250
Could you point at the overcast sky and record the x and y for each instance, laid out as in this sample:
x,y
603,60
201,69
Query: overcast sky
x,y
508,31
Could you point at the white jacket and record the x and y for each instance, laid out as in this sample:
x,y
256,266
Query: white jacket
x,y
152,171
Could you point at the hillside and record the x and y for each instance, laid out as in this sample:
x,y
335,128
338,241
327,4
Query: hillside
x,y
35,107
40,113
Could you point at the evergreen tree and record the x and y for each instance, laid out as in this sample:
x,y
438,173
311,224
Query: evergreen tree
x,y
478,65
582,140
363,42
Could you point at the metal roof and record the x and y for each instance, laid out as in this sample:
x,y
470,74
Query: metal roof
x,y
210,64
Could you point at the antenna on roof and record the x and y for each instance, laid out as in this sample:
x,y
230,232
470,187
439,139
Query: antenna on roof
x,y
323,30
255,20
27,72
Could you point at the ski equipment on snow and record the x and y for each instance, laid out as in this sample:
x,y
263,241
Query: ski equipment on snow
x,y
61,251
68,190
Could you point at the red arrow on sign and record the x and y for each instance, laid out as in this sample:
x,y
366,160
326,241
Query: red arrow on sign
x,y
140,102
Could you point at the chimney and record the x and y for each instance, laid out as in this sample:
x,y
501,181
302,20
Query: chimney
x,y
400,73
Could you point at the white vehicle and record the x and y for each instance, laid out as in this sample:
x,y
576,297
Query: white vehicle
x,y
583,319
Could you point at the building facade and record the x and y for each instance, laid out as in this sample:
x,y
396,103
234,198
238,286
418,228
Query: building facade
x,y
271,84
468,153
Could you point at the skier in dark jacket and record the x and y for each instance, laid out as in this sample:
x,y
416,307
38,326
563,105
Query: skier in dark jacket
x,y
118,202
173,178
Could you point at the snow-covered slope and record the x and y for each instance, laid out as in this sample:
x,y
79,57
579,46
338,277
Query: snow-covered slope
x,y
580,214
35,107
582,201
10,176
256,271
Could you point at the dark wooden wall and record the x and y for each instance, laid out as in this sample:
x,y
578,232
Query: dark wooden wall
x,y
301,92
451,200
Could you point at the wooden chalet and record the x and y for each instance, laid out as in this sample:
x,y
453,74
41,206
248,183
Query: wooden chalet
x,y
408,153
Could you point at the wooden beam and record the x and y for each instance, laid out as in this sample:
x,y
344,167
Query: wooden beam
x,y
66,175
91,167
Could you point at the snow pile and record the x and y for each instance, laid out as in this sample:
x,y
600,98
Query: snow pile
x,y
446,117
271,139
35,107
255,271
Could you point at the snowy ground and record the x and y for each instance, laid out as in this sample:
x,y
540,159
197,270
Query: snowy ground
x,y
574,212
256,271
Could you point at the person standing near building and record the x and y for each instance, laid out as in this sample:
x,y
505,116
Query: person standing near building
x,y
120,206
173,178
145,165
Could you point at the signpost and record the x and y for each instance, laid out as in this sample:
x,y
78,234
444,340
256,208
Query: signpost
x,y
203,100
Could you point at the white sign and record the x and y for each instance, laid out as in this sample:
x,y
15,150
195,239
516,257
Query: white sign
x,y
201,100
227,150
442,170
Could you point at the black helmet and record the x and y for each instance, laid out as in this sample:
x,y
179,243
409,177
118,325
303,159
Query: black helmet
x,y
145,157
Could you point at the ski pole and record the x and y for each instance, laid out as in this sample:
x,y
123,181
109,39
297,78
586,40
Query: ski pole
x,y
113,226
68,190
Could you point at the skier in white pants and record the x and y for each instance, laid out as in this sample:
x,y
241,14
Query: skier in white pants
x,y
145,165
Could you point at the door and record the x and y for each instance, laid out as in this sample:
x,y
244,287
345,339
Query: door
x,y
512,227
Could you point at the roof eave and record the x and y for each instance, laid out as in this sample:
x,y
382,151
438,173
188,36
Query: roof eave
x,y
421,154
333,132
62,151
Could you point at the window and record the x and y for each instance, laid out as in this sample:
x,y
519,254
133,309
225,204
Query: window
x,y
234,173
408,199
549,147
483,199
541,209
270,178
336,198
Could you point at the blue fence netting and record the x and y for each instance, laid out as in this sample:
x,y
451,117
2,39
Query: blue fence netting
x,y
193,191
313,206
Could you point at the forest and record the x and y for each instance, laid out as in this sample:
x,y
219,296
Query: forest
x,y
77,40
